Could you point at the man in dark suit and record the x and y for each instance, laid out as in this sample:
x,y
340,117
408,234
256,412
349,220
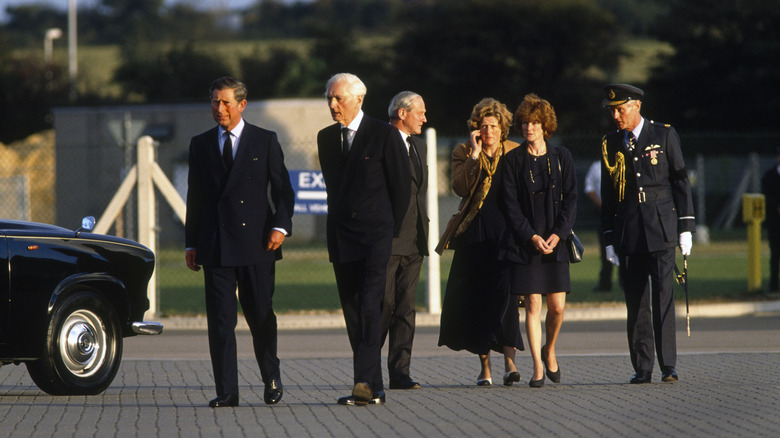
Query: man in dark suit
x,y
770,187
646,210
367,178
235,232
407,113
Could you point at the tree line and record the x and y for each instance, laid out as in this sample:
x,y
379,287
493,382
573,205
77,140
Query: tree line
x,y
453,52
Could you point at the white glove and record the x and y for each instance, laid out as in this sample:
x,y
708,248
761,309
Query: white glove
x,y
686,243
611,256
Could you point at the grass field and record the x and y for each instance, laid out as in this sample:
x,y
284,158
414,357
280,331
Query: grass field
x,y
305,282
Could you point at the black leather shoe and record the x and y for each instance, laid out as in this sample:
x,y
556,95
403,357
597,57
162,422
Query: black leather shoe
x,y
669,375
273,392
641,377
377,398
224,401
403,381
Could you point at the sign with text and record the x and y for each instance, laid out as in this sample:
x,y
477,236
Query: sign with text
x,y
310,195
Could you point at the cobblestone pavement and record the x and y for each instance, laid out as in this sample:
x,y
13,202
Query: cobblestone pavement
x,y
723,392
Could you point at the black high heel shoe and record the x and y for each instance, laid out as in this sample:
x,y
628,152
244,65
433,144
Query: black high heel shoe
x,y
536,383
555,377
511,377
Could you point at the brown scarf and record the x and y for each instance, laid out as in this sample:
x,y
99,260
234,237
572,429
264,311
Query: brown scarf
x,y
483,187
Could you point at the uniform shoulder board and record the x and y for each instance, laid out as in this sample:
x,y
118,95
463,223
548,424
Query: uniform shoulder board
x,y
665,125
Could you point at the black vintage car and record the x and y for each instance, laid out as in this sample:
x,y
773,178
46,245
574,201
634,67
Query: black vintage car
x,y
67,299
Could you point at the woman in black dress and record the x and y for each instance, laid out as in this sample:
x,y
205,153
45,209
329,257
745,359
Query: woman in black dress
x,y
478,314
539,198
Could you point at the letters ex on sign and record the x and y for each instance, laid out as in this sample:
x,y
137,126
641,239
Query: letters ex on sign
x,y
310,195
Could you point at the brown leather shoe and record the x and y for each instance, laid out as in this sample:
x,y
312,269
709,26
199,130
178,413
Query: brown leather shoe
x,y
377,398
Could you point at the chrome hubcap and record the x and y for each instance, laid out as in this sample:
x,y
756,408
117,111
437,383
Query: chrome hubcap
x,y
82,343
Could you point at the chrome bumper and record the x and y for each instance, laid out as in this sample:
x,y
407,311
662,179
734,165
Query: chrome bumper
x,y
147,328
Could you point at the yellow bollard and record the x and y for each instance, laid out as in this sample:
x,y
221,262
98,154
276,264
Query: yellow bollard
x,y
753,213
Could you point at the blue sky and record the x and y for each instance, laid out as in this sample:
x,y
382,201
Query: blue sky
x,y
63,4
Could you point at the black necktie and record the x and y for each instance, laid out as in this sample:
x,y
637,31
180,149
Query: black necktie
x,y
414,157
628,140
227,151
344,141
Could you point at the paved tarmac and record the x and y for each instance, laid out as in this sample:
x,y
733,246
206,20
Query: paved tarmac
x,y
729,386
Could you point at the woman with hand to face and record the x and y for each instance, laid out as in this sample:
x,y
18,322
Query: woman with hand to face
x,y
477,313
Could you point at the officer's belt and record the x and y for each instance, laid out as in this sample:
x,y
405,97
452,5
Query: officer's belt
x,y
650,195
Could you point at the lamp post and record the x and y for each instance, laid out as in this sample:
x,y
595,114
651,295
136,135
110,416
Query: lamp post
x,y
72,44
51,35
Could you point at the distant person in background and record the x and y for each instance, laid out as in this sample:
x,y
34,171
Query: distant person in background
x,y
770,187
407,113
593,192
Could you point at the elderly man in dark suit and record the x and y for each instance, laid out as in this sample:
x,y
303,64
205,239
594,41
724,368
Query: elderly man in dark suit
x,y
367,178
407,113
235,232
646,211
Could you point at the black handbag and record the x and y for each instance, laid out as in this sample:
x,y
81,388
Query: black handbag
x,y
575,248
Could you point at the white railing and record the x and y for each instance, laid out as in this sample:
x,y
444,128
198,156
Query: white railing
x,y
145,174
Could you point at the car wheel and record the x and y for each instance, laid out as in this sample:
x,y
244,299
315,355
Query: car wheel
x,y
83,346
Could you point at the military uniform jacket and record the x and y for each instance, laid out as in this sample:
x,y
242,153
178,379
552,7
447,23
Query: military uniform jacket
x,y
645,191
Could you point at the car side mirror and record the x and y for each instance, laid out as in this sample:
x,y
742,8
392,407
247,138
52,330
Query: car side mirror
x,y
87,224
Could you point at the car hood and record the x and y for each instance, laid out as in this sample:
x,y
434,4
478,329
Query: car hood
x,y
12,228
8,226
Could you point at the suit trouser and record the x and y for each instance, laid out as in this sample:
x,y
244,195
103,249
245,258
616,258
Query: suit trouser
x,y
361,287
398,311
255,293
649,278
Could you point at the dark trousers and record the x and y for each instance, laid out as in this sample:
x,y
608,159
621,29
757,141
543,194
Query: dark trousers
x,y
648,280
774,258
255,293
361,287
398,312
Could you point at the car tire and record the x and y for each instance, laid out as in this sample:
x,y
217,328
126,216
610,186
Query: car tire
x,y
83,346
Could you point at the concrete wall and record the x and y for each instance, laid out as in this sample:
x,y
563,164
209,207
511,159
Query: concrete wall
x,y
91,153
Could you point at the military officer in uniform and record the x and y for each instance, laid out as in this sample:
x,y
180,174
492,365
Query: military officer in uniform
x,y
647,210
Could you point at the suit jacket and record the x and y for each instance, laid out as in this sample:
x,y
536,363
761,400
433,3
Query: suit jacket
x,y
229,216
368,191
413,237
657,203
517,203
